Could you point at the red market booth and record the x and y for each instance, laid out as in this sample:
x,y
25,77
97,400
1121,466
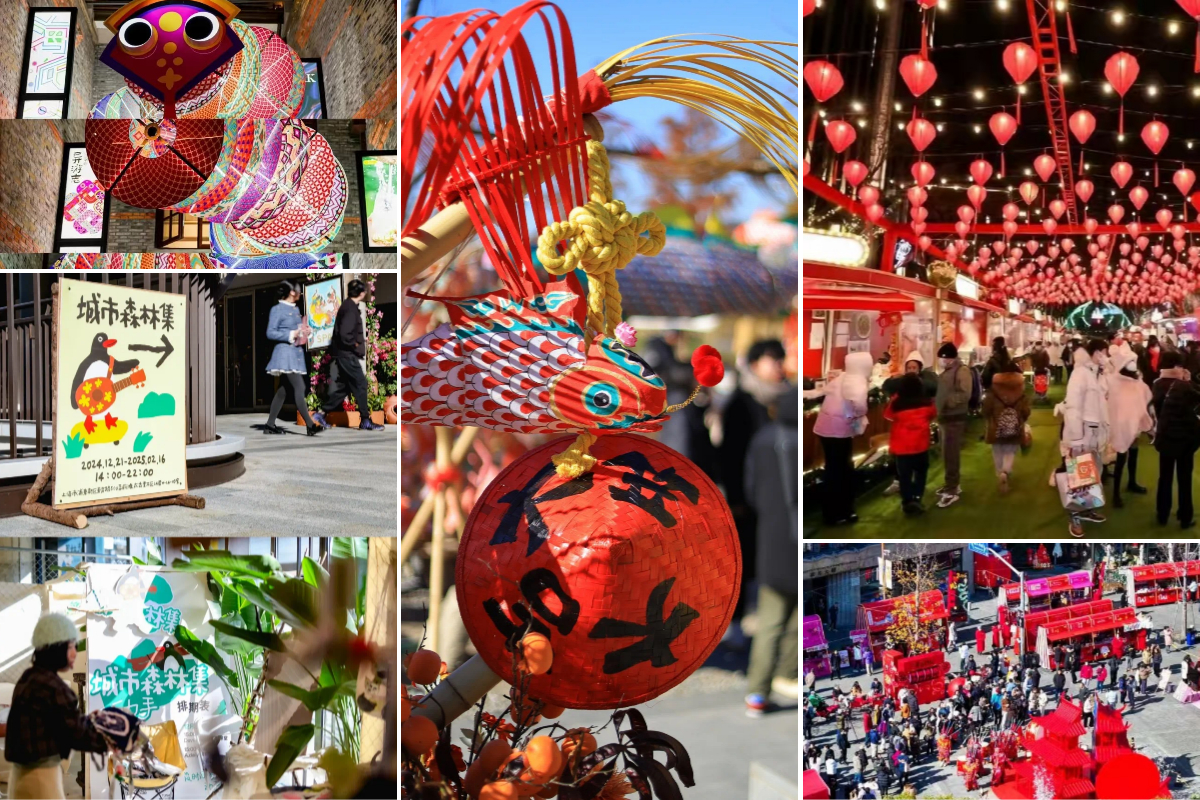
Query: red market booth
x,y
991,571
1159,584
924,674
1055,591
815,787
1093,635
816,650
876,618
1053,616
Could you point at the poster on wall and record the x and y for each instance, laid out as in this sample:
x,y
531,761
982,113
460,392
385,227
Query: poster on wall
x,y
313,106
82,203
379,199
120,432
321,303
47,62
132,613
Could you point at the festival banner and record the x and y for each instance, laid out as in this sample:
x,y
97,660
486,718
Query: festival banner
x,y
321,302
120,430
83,200
132,613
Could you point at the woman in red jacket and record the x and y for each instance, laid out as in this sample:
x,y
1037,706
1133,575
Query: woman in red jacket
x,y
910,413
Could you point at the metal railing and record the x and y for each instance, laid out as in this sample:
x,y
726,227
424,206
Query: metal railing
x,y
36,565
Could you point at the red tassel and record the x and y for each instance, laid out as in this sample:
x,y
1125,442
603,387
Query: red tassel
x,y
1071,35
1156,174
924,38
1081,161
1197,68
1018,105
812,129
1001,163
1121,119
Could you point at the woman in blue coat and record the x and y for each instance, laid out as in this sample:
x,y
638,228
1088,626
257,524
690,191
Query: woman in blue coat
x,y
286,326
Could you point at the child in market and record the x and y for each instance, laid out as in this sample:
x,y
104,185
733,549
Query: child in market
x,y
911,412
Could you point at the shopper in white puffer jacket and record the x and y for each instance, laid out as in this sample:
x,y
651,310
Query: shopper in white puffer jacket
x,y
843,416
1129,415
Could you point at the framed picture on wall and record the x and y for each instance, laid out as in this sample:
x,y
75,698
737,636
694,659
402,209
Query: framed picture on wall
x,y
81,223
46,63
314,90
321,302
379,199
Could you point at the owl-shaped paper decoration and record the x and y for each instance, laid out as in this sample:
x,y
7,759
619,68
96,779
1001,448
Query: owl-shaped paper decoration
x,y
166,47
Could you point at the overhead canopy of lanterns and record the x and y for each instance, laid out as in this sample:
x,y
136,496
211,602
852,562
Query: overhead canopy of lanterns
x,y
1022,223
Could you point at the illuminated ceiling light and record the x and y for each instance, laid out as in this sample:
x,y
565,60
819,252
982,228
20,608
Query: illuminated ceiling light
x,y
1118,18
1108,88
1172,28
897,106
940,127
862,123
1002,5
821,113
1152,90
856,106
937,101
979,129
977,94
1028,171
1064,78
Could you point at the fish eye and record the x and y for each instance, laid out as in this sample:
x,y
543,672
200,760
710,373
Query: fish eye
x,y
602,399
137,36
201,29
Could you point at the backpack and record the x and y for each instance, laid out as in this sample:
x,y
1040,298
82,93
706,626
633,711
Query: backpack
x,y
976,391
1008,424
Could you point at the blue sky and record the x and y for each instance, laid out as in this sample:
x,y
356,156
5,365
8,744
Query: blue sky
x,y
602,29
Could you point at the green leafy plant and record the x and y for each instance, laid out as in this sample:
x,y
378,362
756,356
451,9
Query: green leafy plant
x,y
73,446
141,440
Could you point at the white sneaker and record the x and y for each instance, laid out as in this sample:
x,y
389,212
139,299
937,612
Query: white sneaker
x,y
893,489
785,687
949,499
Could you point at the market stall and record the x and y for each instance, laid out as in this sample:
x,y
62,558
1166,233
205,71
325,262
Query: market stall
x,y
878,617
924,674
1053,616
1159,584
816,649
1055,591
1092,636
990,570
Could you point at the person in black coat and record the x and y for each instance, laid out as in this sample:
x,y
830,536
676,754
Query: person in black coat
x,y
771,482
349,345
999,362
1176,403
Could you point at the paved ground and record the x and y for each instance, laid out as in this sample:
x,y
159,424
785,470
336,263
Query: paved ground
x,y
1159,726
340,483
1031,510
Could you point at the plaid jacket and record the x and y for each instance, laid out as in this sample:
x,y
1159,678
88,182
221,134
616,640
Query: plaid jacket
x,y
45,720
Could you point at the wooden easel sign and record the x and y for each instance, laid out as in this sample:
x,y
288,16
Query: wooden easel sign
x,y
120,389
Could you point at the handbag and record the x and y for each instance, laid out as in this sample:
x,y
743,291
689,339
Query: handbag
x,y
1084,498
1082,471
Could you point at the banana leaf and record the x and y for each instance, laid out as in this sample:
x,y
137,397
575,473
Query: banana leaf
x,y
207,654
225,561
294,601
314,573
257,639
349,547
291,743
314,700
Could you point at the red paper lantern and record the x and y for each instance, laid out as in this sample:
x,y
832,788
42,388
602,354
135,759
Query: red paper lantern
x,y
824,79
1138,196
809,7
1115,213
1155,136
1121,70
1028,192
918,73
1020,60
868,195
1049,226
1192,9
1044,165
855,172
924,242
976,194
1089,226
874,212
917,196
921,132
966,214
1082,124
922,172
1183,179
631,570
1164,217
1122,171
841,134
981,171
1003,126
1010,212
1084,189
1057,208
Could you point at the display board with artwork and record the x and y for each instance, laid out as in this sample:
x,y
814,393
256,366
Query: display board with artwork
x,y
46,70
379,197
82,203
321,303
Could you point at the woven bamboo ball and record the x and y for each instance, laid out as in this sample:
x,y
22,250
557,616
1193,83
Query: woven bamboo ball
x,y
631,570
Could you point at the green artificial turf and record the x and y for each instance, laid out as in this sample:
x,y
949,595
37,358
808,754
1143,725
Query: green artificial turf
x,y
1030,510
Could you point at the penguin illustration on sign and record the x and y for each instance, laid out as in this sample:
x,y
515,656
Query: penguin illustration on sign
x,y
93,390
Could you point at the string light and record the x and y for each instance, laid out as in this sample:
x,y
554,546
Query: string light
x,y
1189,144
897,106
821,113
1064,78
1120,137
1172,28
899,126
881,5
1152,90
940,127
1118,18
1002,5
937,101
1061,6
1028,171
979,129
978,94
1107,88
1021,89
862,123
857,107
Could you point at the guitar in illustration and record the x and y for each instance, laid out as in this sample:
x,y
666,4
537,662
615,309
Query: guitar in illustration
x,y
93,391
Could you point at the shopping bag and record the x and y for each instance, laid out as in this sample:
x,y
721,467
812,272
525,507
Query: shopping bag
x,y
1085,498
1082,470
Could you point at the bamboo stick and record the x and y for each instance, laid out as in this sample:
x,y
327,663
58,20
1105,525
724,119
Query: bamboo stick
x,y
454,696
412,534
437,561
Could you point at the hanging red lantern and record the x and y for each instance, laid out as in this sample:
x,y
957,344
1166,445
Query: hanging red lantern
x,y
1121,172
917,196
824,80
874,212
1138,196
1020,60
632,599
855,172
1082,124
966,214
1121,70
922,172
1084,189
924,242
1090,225
918,73
1115,213
1164,217
1192,9
1044,165
976,194
918,228
868,195
809,7
1010,211
921,132
1003,126
841,134
1155,136
1183,179
1049,226
1028,192
1058,208
981,171
918,213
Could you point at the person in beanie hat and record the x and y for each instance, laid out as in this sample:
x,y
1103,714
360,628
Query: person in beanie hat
x,y
44,724
953,402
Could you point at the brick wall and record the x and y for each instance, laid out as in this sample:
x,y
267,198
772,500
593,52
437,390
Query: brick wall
x,y
31,163
130,230
14,18
356,42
